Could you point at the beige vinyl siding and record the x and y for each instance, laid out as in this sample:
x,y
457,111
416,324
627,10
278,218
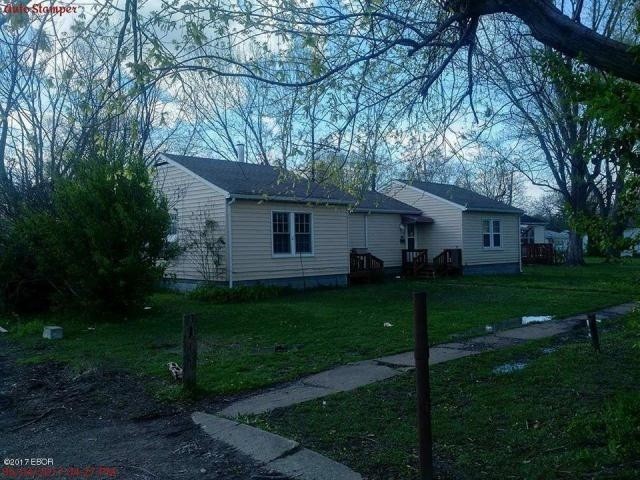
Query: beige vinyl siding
x,y
446,229
474,253
357,236
251,234
384,238
194,201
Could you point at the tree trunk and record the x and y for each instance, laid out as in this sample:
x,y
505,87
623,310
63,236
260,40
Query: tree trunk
x,y
575,254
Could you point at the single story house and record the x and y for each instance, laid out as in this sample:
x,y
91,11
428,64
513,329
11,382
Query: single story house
x,y
486,231
241,223
270,225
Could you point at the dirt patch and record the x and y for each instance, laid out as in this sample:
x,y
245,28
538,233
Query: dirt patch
x,y
100,418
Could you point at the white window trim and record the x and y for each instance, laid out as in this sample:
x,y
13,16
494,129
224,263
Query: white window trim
x,y
175,220
491,246
292,235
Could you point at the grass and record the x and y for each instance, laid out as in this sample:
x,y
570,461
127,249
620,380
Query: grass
x,y
247,346
568,414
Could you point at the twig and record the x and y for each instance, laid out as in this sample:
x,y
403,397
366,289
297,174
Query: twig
x,y
38,418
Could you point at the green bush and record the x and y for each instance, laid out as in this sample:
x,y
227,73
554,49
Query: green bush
x,y
99,244
28,329
622,418
239,294
23,286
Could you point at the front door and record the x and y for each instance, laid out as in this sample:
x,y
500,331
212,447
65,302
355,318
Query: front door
x,y
411,236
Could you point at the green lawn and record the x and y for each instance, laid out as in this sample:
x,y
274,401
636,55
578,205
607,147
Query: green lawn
x,y
317,329
569,413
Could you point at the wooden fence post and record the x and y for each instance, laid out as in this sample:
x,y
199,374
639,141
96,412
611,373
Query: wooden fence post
x,y
421,355
593,331
189,351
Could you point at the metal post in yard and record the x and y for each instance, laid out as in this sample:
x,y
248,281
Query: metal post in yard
x,y
189,351
421,355
593,331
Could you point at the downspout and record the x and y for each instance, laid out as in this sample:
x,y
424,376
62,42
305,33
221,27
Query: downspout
x,y
366,230
229,244
520,242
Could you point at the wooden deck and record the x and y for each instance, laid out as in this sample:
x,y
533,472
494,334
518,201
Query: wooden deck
x,y
415,263
365,267
538,254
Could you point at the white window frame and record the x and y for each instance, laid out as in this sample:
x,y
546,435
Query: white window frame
x,y
491,234
175,222
292,234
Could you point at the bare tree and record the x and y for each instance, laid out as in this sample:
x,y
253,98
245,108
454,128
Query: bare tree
x,y
202,244
545,131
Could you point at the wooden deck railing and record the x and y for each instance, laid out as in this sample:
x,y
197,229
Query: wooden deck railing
x,y
449,261
537,253
414,260
365,266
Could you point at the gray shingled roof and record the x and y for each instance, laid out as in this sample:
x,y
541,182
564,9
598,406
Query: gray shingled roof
x,y
376,201
247,180
463,197
529,220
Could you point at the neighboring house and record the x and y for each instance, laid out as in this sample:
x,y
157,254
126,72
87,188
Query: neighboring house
x,y
485,230
273,227
532,230
632,231
559,240
241,223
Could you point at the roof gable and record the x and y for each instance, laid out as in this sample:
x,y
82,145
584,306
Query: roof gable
x,y
379,202
529,220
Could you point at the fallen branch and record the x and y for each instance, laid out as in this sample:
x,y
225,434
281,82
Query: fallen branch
x,y
37,419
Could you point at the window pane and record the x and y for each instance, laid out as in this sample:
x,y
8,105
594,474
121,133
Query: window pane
x,y
303,232
281,241
485,226
496,240
280,222
173,227
303,243
496,226
303,222
486,240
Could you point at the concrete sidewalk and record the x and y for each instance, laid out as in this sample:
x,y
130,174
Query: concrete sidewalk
x,y
288,458
355,375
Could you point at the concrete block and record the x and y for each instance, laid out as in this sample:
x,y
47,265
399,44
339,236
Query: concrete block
x,y
52,332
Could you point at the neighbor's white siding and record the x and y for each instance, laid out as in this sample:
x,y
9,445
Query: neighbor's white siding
x,y
446,229
632,233
194,201
473,252
538,233
357,236
252,242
